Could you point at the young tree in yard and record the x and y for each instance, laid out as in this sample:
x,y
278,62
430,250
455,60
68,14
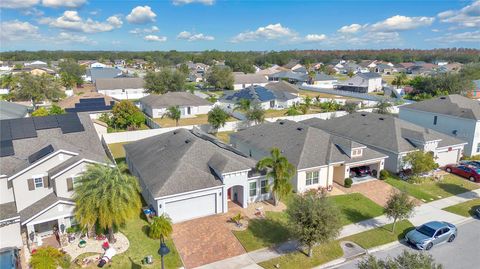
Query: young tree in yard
x,y
293,111
40,112
221,77
399,206
125,114
406,260
420,162
56,110
217,117
49,258
173,113
313,219
281,171
400,80
37,88
255,114
106,197
383,107
72,70
243,105
350,107
167,80
160,228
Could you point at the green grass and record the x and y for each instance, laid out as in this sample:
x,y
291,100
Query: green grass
x,y
143,126
465,209
117,150
263,233
381,236
355,207
430,190
224,136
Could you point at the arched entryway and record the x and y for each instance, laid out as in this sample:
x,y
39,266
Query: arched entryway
x,y
236,195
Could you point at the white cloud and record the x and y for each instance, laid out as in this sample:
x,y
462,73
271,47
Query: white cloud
x,y
141,15
269,32
473,36
32,12
315,38
350,29
186,2
64,3
138,31
400,23
18,3
194,37
71,38
155,38
469,16
70,20
18,30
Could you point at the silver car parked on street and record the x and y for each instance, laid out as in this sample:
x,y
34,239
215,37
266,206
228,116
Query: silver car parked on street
x,y
431,233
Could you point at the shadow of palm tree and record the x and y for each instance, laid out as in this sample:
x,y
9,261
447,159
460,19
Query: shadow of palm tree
x,y
453,189
270,231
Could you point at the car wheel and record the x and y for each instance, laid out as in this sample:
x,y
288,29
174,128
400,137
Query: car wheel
x,y
472,179
429,246
448,169
451,238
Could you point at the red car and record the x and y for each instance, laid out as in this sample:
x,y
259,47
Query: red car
x,y
466,171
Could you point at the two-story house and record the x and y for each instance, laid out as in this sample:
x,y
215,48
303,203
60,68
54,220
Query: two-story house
x,y
319,157
41,157
188,174
454,115
362,82
393,137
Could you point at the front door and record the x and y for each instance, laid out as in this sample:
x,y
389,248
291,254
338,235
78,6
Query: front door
x,y
229,194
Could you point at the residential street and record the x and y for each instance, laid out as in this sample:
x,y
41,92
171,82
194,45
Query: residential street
x,y
462,253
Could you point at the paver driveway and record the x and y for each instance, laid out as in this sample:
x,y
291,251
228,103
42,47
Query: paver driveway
x,y
206,240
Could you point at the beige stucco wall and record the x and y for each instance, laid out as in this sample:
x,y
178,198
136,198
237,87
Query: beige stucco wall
x,y
6,194
61,181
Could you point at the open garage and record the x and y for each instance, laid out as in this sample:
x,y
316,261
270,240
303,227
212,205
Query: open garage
x,y
358,172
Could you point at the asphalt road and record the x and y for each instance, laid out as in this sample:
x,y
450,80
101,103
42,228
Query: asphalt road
x,y
463,253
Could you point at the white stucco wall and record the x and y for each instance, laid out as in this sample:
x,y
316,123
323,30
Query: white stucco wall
x,y
124,94
10,235
375,84
194,111
239,86
6,194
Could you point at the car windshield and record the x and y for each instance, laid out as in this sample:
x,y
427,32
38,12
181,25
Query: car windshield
x,y
424,229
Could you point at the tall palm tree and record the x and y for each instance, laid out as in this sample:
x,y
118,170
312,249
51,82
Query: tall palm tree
x,y
400,80
160,228
256,114
173,113
243,105
281,171
107,197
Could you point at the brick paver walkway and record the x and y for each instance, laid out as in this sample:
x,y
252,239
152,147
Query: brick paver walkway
x,y
206,240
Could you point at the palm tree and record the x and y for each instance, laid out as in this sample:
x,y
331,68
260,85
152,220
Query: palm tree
x,y
160,228
350,107
173,113
281,171
256,114
307,102
399,80
292,111
106,197
243,105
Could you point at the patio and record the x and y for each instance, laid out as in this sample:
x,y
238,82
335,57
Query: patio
x,y
92,245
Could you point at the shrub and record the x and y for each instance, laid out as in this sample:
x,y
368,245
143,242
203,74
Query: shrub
x,y
384,174
348,182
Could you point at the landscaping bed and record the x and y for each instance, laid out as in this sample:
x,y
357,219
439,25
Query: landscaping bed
x,y
464,209
431,190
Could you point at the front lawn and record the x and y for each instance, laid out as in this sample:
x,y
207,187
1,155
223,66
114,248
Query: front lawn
x,y
263,233
381,235
224,136
465,209
355,207
430,190
117,150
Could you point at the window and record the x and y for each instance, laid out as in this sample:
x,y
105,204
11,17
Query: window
x,y
312,178
263,186
38,182
356,152
189,110
253,189
478,147
435,120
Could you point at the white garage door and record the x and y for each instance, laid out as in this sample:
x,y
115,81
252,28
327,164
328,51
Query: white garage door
x,y
192,207
447,157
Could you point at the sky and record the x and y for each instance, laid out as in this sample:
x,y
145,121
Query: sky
x,y
259,25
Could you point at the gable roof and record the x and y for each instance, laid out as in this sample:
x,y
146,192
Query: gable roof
x,y
283,86
453,105
173,99
74,100
249,78
382,131
303,146
369,75
119,83
323,77
10,110
107,72
48,201
290,75
256,94
181,161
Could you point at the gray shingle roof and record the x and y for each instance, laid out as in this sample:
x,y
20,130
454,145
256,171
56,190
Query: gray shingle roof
x,y
85,143
98,73
40,205
250,78
302,145
369,75
182,160
173,99
8,210
282,86
382,131
290,75
453,105
119,83
10,110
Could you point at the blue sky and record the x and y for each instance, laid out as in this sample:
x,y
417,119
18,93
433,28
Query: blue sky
x,y
193,25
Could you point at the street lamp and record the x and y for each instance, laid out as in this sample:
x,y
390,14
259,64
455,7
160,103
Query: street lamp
x,y
163,250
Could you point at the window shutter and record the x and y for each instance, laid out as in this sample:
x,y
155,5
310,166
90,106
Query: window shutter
x,y
46,182
31,185
69,184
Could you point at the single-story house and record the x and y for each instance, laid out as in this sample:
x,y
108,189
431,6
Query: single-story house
x,y
453,115
264,97
121,88
362,82
319,157
290,76
190,105
187,174
324,81
393,137
92,74
245,80
283,86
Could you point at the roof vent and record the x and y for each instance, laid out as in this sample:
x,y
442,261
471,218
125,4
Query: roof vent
x,y
299,129
443,97
381,118
175,132
363,114
281,122
187,141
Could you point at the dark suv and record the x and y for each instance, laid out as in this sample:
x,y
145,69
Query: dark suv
x,y
361,171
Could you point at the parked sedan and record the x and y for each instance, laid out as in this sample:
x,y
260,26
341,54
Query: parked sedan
x,y
361,171
431,233
466,171
471,163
